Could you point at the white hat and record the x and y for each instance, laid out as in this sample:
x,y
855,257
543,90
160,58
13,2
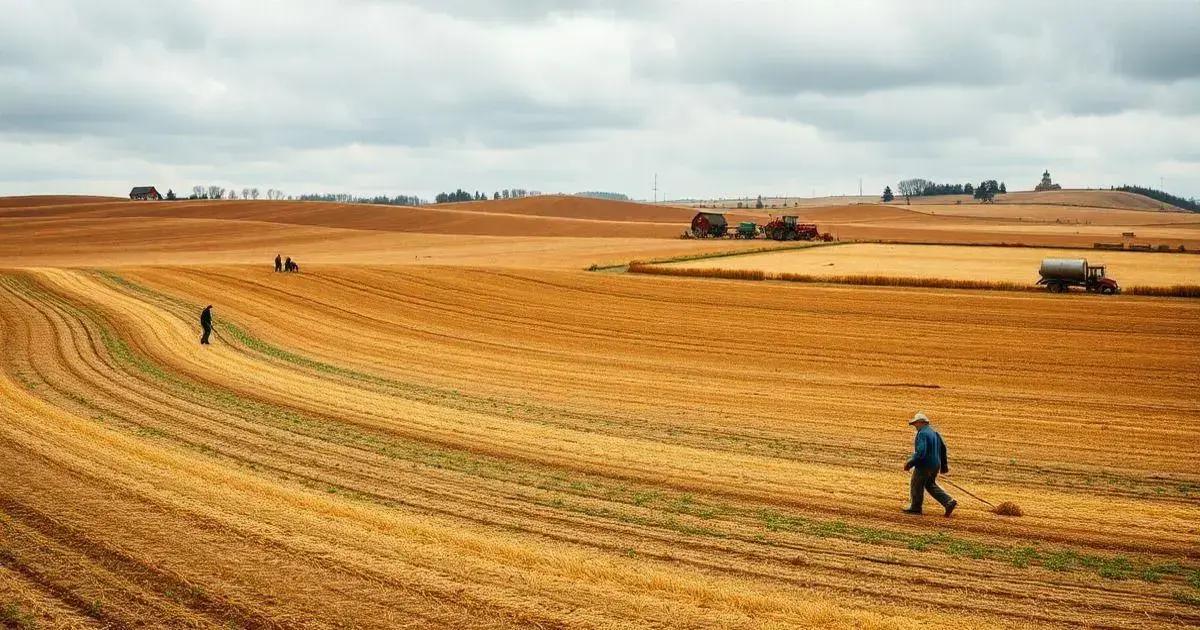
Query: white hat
x,y
919,417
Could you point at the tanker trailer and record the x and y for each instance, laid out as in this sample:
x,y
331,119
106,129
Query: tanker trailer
x,y
1059,274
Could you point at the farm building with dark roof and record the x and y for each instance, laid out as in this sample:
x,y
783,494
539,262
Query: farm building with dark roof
x,y
144,192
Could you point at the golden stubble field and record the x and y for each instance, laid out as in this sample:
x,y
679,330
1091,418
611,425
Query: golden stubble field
x,y
1000,264
482,446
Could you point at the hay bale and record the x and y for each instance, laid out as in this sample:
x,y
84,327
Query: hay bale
x,y
1008,508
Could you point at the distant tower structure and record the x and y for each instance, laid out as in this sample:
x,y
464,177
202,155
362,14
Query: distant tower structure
x,y
1046,183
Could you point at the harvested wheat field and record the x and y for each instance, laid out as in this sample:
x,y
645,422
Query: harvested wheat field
x,y
999,264
495,438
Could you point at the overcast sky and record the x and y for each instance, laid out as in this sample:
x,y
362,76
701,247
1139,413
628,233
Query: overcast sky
x,y
719,98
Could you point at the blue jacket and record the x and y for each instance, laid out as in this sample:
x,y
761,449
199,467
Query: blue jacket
x,y
929,451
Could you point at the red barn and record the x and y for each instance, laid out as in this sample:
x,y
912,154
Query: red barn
x,y
145,192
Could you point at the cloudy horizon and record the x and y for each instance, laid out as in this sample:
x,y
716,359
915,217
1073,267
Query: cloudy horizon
x,y
719,99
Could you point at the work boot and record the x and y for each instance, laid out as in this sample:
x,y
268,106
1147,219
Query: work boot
x,y
950,508
912,511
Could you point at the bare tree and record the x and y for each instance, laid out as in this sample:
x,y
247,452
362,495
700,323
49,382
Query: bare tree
x,y
245,193
253,193
912,187
197,191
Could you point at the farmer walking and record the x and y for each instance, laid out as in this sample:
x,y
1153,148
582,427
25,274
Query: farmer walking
x,y
928,459
206,323
278,264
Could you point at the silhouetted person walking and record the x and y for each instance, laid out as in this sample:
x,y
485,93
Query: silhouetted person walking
x,y
206,323
278,263
287,266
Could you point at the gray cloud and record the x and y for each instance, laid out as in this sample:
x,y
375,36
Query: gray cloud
x,y
720,98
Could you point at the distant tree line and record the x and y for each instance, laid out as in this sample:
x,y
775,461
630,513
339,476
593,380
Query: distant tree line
x,y
462,195
1191,205
220,192
383,200
918,187
603,195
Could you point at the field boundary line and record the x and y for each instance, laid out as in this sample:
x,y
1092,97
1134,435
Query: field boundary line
x,y
719,254
1176,291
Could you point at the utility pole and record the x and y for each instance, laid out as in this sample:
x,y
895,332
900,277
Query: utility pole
x,y
859,186
656,188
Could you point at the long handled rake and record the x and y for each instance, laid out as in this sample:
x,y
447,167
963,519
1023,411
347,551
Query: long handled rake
x,y
972,494
1006,508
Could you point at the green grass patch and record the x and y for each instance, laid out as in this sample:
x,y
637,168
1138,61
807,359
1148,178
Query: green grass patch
x,y
922,542
1118,568
967,548
11,616
1023,556
1061,560
1184,597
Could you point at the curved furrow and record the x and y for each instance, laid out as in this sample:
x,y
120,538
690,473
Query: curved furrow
x,y
725,513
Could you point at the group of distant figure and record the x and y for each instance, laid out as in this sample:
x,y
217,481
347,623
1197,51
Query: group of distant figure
x,y
206,325
286,266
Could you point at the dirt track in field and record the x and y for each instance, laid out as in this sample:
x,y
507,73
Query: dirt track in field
x,y
475,444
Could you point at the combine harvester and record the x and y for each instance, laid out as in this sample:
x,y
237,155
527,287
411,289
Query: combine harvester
x,y
1059,274
786,228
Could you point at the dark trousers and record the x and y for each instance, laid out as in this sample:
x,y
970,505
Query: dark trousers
x,y
207,332
922,481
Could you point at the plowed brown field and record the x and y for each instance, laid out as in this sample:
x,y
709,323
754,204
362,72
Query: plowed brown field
x,y
519,443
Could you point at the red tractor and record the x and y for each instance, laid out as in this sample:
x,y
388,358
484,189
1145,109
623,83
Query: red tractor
x,y
787,229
